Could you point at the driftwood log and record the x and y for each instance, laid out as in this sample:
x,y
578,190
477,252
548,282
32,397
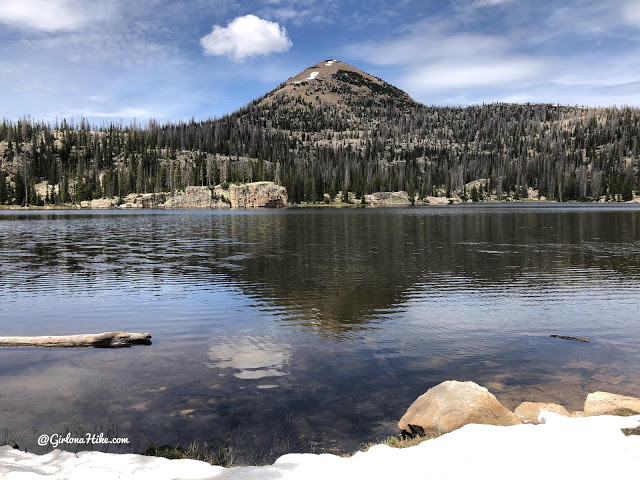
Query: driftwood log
x,y
575,339
95,340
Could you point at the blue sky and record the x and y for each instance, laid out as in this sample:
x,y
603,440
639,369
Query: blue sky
x,y
113,60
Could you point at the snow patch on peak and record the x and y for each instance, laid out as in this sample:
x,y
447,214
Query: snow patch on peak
x,y
329,63
312,75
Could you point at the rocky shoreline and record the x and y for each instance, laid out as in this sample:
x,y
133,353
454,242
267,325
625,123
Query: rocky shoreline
x,y
247,195
452,404
271,195
482,439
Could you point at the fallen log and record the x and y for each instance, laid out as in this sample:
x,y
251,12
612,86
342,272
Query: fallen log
x,y
92,340
575,339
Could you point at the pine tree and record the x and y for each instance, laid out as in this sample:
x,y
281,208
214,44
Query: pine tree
x,y
3,188
18,189
627,190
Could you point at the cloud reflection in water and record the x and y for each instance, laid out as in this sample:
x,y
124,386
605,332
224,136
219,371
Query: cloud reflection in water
x,y
251,357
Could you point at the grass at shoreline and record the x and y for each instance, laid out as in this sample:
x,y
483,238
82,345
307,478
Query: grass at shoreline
x,y
221,455
400,442
224,454
623,412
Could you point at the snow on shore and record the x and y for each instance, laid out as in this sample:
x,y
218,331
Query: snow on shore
x,y
562,447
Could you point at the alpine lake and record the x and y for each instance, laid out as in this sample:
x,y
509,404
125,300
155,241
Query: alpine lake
x,y
308,330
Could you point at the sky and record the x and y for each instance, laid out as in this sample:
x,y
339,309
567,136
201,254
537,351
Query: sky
x,y
120,60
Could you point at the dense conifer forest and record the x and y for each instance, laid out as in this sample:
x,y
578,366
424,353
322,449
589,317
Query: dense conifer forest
x,y
348,132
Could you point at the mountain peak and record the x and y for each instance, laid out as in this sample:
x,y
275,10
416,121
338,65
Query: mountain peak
x,y
335,82
322,72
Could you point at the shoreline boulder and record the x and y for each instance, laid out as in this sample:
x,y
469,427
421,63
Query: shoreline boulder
x,y
258,195
191,197
528,412
451,405
382,199
600,403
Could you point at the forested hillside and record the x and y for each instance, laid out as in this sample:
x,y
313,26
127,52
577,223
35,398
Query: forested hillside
x,y
333,128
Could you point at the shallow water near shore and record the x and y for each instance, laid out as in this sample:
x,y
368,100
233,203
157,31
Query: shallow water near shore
x,y
309,330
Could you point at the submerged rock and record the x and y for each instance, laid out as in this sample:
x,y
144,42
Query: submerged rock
x,y
600,403
451,405
528,412
613,380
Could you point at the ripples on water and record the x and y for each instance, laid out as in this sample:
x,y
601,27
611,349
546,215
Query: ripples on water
x,y
309,330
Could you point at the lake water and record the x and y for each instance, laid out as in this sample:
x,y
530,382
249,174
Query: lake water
x,y
305,329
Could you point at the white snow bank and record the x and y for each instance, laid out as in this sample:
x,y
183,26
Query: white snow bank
x,y
561,447
329,63
312,75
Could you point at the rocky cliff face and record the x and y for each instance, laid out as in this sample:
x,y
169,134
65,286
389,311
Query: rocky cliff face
x,y
198,197
249,195
133,200
258,194
388,198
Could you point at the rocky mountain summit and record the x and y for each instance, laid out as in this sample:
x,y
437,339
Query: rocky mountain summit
x,y
332,82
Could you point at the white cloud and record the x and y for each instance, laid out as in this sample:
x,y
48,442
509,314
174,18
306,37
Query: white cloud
x,y
596,19
454,59
427,44
300,12
251,357
245,37
127,112
631,13
285,14
438,56
479,73
42,15
489,3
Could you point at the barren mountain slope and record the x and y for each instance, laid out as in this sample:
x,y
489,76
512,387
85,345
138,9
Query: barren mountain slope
x,y
335,82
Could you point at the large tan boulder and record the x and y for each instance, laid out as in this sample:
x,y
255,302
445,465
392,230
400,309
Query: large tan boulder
x,y
528,412
191,197
453,404
103,203
600,403
258,194
388,198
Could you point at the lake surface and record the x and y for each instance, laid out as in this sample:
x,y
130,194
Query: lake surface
x,y
309,330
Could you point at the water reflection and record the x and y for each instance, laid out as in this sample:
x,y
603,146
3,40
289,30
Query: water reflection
x,y
250,357
332,272
310,329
